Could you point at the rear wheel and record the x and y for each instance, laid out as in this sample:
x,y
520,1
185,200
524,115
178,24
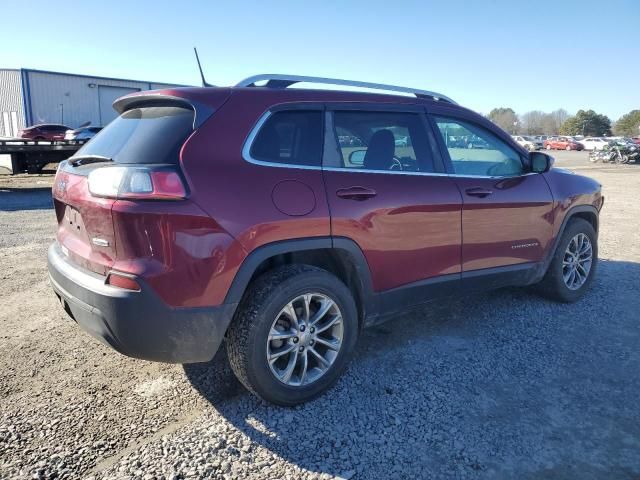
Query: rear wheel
x,y
293,334
573,264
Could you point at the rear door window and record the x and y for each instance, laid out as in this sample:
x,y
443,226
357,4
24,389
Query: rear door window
x,y
392,141
290,137
143,135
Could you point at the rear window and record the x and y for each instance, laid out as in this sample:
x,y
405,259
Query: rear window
x,y
291,137
143,135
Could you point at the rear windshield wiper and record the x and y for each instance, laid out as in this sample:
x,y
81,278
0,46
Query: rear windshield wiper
x,y
87,159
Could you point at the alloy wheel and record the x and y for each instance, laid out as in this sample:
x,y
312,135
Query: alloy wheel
x,y
305,339
578,258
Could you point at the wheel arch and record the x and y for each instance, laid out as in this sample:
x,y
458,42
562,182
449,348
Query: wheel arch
x,y
340,256
585,212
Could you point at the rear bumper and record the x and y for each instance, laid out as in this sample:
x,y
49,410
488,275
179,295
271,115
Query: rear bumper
x,y
137,324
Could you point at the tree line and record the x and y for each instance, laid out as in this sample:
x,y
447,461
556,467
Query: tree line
x,y
559,122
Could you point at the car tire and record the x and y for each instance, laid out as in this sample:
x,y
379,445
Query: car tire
x,y
265,312
555,284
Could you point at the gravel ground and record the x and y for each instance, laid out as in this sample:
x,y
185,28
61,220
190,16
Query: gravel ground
x,y
500,385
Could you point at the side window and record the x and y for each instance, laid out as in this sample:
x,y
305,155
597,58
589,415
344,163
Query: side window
x,y
291,137
476,151
384,141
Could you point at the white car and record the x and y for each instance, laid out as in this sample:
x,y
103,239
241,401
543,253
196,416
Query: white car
x,y
594,143
530,143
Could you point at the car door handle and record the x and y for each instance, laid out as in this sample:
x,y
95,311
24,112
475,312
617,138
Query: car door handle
x,y
478,192
356,193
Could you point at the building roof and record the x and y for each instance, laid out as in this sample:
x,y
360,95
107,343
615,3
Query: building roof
x,y
90,76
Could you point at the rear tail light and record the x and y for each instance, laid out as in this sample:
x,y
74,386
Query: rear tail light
x,y
162,183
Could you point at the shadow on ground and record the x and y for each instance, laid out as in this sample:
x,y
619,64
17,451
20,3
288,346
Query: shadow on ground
x,y
502,384
13,199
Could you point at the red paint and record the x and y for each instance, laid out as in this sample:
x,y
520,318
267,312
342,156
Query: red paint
x,y
562,143
416,227
49,132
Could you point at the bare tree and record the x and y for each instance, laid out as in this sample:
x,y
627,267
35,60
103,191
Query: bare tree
x,y
505,118
532,123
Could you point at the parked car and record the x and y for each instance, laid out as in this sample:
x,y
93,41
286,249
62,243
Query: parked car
x,y
45,131
81,133
528,142
593,143
476,142
562,143
183,224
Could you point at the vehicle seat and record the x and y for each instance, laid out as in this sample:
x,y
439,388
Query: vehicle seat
x,y
379,155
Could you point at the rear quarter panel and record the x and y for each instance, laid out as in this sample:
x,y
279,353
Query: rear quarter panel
x,y
239,194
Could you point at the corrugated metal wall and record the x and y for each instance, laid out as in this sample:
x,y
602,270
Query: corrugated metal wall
x,y
11,111
74,100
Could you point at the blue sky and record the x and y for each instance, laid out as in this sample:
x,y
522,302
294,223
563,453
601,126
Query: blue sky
x,y
539,55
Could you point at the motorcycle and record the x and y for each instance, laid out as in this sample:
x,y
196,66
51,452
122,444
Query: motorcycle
x,y
616,152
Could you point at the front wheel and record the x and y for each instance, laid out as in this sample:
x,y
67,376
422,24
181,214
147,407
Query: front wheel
x,y
293,334
573,264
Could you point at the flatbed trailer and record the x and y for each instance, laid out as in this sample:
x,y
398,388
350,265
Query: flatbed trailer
x,y
22,155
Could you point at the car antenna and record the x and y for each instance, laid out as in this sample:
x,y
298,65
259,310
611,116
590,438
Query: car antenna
x,y
204,82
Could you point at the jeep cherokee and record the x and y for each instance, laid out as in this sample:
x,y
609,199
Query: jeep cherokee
x,y
284,220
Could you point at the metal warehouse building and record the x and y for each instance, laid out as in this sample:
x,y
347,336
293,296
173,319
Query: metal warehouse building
x,y
29,97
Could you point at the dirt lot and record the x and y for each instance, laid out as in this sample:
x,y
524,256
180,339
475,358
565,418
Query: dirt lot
x,y
500,385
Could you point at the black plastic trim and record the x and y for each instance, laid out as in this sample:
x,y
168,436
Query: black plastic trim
x,y
260,254
137,323
544,265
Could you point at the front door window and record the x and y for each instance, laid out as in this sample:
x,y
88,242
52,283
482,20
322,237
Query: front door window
x,y
475,151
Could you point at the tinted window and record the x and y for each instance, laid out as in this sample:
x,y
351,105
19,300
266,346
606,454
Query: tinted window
x,y
143,135
476,151
293,137
382,141
53,128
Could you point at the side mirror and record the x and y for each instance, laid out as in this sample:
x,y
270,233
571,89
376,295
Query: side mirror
x,y
540,162
357,157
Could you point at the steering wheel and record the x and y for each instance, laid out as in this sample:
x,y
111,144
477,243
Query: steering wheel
x,y
396,165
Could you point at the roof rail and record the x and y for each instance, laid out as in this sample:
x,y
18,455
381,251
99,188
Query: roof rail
x,y
277,80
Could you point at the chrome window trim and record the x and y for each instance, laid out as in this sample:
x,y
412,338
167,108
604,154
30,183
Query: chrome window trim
x,y
246,148
384,172
246,155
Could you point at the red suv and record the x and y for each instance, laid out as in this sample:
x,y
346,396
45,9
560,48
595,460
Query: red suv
x,y
283,221
46,131
562,143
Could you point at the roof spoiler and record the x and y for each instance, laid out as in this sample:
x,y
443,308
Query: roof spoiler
x,y
201,110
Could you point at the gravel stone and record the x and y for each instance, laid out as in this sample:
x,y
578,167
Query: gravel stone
x,y
500,385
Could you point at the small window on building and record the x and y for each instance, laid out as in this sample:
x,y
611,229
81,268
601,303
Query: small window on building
x,y
292,137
